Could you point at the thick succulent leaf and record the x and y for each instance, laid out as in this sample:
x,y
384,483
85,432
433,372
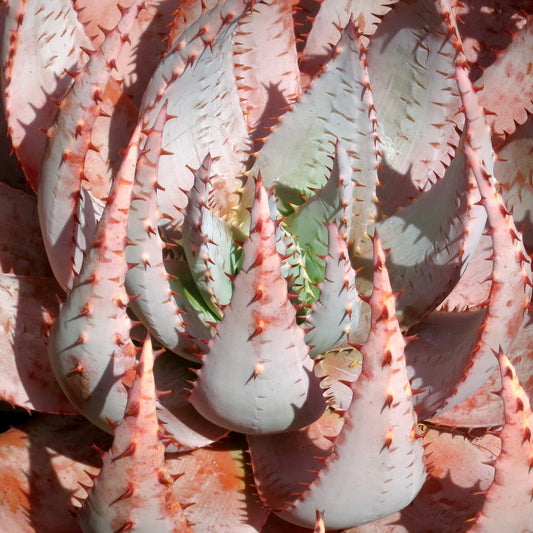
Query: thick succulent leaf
x,y
301,269
514,171
292,468
417,106
147,280
510,291
268,78
334,15
336,107
339,368
458,474
336,313
457,471
522,357
88,212
98,18
196,78
508,501
439,355
303,238
378,454
497,324
213,485
90,347
487,28
285,462
472,290
133,491
332,203
477,132
27,380
431,242
43,464
476,125
63,166
270,385
184,427
208,242
510,278
481,410
507,85
188,13
42,42
110,134
141,53
199,319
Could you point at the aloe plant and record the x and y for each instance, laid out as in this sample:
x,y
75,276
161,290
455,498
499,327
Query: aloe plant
x,y
273,274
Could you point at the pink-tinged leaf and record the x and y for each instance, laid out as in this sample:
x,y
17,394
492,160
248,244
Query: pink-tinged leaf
x,y
285,463
270,385
336,107
431,242
378,454
509,499
42,42
458,474
507,85
208,242
141,53
487,28
514,172
510,277
187,14
196,79
457,471
521,355
502,315
90,347
417,106
63,169
510,291
98,17
334,15
333,203
305,234
336,313
147,280
110,134
133,490
439,356
27,380
338,368
21,246
185,428
476,124
42,464
268,78
214,487
482,409
472,290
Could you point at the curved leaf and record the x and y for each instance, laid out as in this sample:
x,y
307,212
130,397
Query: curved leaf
x,y
270,385
90,347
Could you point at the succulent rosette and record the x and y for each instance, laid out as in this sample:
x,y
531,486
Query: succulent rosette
x,y
273,273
